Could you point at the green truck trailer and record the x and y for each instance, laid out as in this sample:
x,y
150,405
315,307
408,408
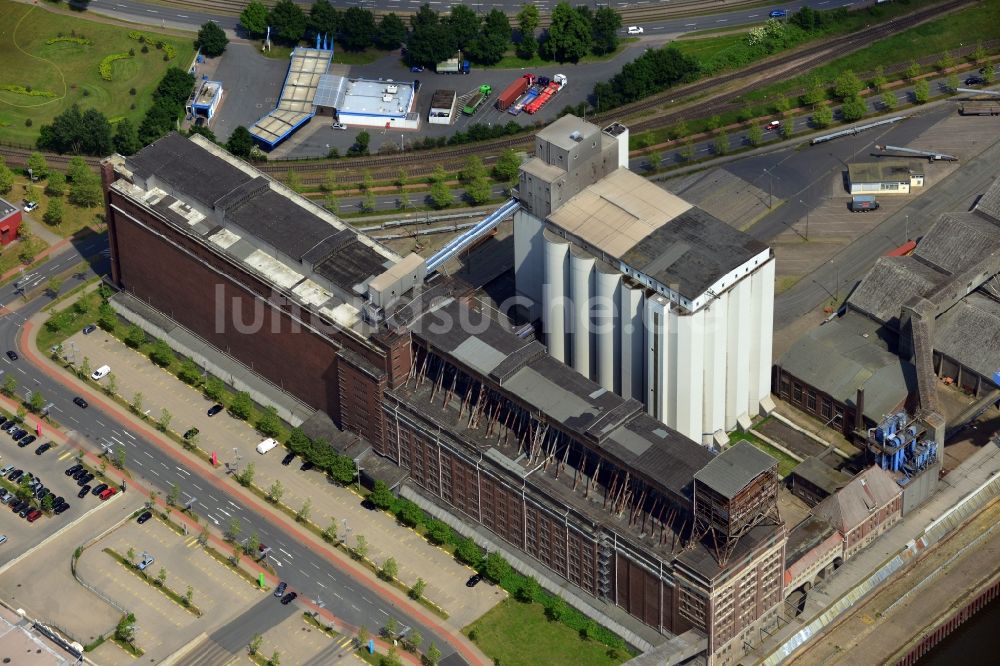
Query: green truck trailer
x,y
477,100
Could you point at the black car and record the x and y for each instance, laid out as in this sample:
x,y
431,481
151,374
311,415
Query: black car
x,y
975,81
215,409
57,501
3,420
12,355
289,598
146,515
99,488
474,580
18,434
83,492
40,492
62,507
26,510
288,459
28,440
85,479
16,475
88,329
280,590
43,448
191,432
80,402
306,466
9,426
368,504
17,505
74,469
80,473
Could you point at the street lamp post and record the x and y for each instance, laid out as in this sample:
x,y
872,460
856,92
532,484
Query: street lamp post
x,y
770,190
807,217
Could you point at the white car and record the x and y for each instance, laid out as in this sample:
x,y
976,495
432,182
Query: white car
x,y
100,373
30,206
341,126
634,30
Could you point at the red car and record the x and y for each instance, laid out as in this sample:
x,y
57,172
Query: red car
x,y
34,515
108,493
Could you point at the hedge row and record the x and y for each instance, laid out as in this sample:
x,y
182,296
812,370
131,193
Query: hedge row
x,y
71,40
524,588
21,90
105,66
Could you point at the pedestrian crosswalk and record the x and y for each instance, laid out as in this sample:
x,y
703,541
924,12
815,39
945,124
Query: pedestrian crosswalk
x,y
68,453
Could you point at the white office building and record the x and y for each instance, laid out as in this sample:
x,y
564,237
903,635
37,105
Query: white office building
x,y
649,296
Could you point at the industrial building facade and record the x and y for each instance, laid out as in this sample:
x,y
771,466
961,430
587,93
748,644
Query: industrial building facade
x,y
485,423
654,299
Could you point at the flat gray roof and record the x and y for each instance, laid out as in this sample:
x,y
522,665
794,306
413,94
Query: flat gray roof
x,y
884,171
732,470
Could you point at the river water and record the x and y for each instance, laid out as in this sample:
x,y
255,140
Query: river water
x,y
975,642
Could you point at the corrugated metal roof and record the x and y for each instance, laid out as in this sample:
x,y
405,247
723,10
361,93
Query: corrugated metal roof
x,y
989,203
970,333
958,240
891,282
729,472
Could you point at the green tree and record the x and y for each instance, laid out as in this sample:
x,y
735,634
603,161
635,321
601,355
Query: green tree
x,y
479,191
135,337
368,202
212,39
473,169
56,185
822,116
38,166
391,32
252,544
255,644
163,423
381,496
77,169
240,142
126,138
188,595
755,135
125,629
357,29
654,159
84,370
287,21
53,212
980,53
606,26
233,529
687,151
330,533
86,192
189,373
557,609
815,92
174,495
781,105
507,166
161,354
721,143
78,132
467,551
241,405
9,385
912,70
46,503
6,177
268,423
254,18
111,384
854,108
952,82
417,589
275,659
360,145
37,401
527,22
497,568
245,478
921,91
847,85
464,25
215,388
569,34
119,461
275,492
389,569
329,181
363,635
528,590
360,550
431,39
415,638
947,61
440,195
878,78
303,513
438,532
161,577
988,74
493,40
433,655
294,181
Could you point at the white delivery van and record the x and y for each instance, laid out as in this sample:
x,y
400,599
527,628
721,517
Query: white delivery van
x,y
101,372
266,445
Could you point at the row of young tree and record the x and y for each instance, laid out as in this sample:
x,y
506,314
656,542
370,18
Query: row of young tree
x,y
432,37
89,132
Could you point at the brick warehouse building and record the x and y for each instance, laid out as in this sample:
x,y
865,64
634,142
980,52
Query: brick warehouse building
x,y
486,424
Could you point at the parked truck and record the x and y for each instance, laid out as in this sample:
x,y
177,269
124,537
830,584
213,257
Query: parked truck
x,y
513,91
454,65
557,83
529,96
477,99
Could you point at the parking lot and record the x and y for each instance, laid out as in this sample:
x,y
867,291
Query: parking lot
x,y
164,625
235,442
48,468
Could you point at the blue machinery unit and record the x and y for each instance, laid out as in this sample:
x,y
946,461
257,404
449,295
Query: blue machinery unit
x,y
462,241
898,445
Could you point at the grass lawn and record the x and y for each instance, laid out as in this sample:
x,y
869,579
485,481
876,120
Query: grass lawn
x,y
981,21
74,219
10,256
786,463
706,47
517,634
340,56
67,72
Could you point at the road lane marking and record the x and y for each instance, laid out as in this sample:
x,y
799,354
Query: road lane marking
x,y
338,596
221,510
128,434
315,565
148,454
154,472
286,553
303,573
197,486
234,505
183,471
321,585
213,497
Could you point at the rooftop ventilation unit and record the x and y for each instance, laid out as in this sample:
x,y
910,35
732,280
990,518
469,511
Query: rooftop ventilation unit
x,y
576,136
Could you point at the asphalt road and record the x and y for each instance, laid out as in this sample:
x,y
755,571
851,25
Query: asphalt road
x,y
306,572
166,16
